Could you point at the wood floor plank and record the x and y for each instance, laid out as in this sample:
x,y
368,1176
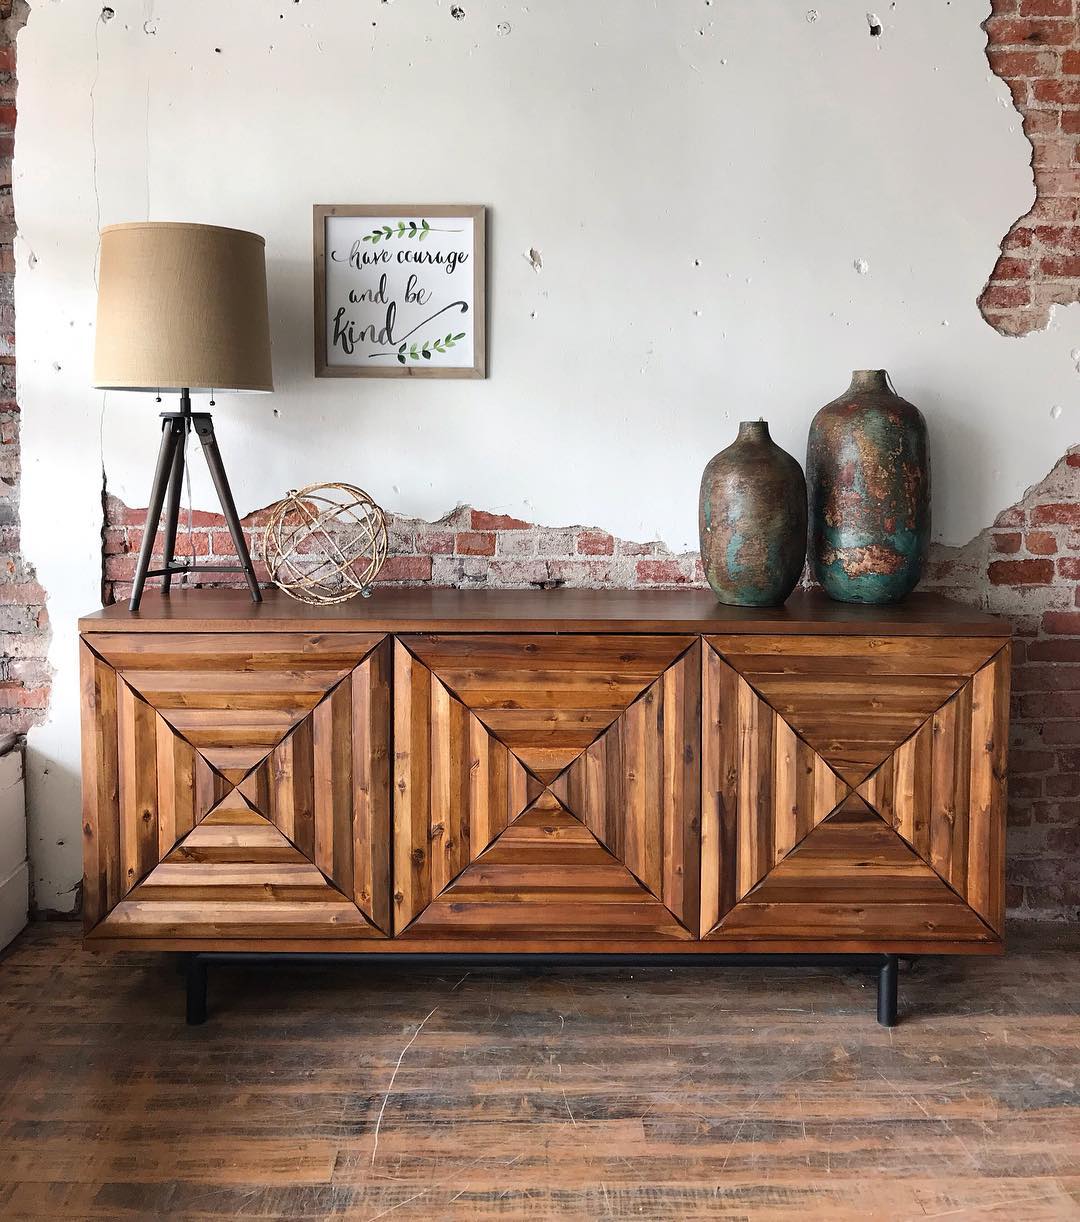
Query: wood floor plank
x,y
500,1093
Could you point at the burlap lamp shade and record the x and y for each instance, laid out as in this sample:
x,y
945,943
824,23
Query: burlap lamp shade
x,y
181,306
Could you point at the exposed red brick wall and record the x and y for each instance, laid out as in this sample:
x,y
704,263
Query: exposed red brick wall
x,y
1034,46
1027,567
469,548
24,622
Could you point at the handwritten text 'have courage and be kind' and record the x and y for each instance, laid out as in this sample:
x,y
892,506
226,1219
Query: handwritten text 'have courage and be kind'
x,y
396,246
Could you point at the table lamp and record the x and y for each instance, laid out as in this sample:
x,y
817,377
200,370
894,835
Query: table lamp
x,y
182,308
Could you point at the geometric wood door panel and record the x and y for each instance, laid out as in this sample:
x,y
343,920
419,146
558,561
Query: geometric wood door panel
x,y
943,790
854,699
546,786
853,787
236,780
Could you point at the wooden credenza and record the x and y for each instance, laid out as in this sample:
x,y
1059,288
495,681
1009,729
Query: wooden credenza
x,y
563,771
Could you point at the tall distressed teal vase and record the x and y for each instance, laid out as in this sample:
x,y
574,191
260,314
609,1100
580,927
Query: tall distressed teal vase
x,y
868,473
752,520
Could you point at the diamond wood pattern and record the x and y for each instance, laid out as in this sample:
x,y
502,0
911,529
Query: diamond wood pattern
x,y
575,770
458,786
854,699
547,873
322,790
763,789
234,696
236,875
635,788
546,697
777,857
943,789
854,878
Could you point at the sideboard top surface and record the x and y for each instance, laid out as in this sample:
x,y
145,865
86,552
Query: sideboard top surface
x,y
422,609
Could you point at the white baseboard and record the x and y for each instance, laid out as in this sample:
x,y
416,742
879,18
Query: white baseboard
x,y
14,872
14,893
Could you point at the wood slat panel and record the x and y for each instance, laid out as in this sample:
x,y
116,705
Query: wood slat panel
x,y
854,700
370,732
456,786
546,874
303,797
102,884
326,787
986,811
137,761
412,815
546,697
719,788
943,789
763,789
335,652
637,788
235,874
188,787
235,696
830,656
855,877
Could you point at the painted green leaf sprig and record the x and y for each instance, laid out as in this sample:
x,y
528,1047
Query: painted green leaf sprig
x,y
403,229
422,351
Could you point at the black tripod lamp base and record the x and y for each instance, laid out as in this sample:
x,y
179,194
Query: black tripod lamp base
x,y
165,496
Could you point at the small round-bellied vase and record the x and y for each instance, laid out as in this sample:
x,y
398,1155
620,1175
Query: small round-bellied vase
x,y
752,520
868,471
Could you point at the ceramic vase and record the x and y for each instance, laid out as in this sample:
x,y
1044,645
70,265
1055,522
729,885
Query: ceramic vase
x,y
752,520
868,471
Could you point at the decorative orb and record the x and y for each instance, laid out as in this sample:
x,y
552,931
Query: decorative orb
x,y
325,543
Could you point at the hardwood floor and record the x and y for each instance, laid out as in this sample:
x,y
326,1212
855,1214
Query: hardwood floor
x,y
369,1092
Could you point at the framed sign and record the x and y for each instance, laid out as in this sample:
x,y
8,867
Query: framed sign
x,y
399,291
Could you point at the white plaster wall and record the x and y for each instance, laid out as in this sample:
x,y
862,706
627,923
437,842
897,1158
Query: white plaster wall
x,y
702,179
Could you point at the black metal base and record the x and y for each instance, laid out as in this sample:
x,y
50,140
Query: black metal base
x,y
165,494
884,965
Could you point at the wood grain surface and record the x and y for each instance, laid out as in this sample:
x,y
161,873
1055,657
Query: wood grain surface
x,y
546,875
521,790
763,789
517,755
420,609
943,789
788,850
854,877
492,1093
854,699
261,750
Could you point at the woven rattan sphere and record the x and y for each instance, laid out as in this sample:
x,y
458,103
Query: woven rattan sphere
x,y
325,543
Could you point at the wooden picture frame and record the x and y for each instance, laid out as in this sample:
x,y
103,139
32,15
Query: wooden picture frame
x,y
378,276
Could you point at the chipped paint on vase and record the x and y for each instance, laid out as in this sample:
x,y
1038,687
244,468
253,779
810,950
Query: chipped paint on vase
x,y
752,520
868,471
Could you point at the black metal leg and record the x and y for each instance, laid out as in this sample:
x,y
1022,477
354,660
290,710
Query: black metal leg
x,y
172,511
170,438
886,991
196,991
204,426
